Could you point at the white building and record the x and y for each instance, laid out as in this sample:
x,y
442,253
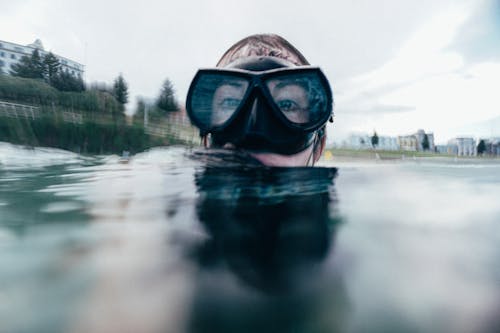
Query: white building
x,y
462,146
387,143
420,135
364,141
415,142
11,53
446,149
359,141
408,142
492,146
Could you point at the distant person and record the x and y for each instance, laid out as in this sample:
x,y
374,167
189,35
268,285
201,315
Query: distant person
x,y
264,99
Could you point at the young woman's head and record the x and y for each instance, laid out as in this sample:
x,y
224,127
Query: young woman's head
x,y
265,99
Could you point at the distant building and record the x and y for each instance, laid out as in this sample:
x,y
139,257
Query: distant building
x,y
359,141
388,143
415,142
420,135
408,142
364,141
462,147
492,147
444,149
11,53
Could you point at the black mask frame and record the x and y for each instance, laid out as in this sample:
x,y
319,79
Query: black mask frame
x,y
256,85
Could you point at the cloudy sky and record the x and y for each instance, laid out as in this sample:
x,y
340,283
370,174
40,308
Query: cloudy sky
x,y
395,65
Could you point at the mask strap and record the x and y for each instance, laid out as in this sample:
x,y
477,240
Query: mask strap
x,y
311,156
204,140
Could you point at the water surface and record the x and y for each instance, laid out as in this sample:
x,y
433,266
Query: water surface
x,y
177,240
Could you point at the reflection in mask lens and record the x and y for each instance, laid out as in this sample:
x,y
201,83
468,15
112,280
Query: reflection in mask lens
x,y
301,98
217,97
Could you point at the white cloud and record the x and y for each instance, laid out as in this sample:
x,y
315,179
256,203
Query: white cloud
x,y
434,87
423,54
379,55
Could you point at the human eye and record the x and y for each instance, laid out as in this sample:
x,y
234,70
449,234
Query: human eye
x,y
229,103
288,105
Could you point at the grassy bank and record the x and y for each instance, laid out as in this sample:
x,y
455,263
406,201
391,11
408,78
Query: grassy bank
x,y
85,137
389,154
40,94
86,122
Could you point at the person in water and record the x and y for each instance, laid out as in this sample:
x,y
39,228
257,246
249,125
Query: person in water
x,y
263,98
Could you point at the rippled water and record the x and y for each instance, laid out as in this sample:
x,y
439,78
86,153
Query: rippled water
x,y
177,240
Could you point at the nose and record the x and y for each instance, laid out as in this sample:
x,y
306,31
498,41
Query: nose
x,y
259,120
253,113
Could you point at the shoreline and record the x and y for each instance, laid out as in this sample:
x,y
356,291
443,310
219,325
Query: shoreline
x,y
336,154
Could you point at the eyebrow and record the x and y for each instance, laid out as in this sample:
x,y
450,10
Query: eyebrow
x,y
286,83
232,84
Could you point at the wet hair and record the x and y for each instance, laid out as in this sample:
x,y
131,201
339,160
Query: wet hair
x,y
266,45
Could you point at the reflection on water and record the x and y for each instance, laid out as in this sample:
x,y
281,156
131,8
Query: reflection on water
x,y
184,241
269,232
262,225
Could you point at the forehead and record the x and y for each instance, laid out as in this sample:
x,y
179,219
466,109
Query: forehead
x,y
258,64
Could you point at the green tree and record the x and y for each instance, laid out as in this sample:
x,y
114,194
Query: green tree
x,y
38,67
481,147
23,68
120,90
51,67
425,143
140,108
29,66
374,139
64,81
101,86
166,100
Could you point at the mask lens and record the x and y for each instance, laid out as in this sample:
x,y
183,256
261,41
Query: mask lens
x,y
301,98
216,97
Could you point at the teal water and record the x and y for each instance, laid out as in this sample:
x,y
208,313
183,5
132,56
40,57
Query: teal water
x,y
177,240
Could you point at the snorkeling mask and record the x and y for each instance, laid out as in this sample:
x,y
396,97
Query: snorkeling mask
x,y
261,104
